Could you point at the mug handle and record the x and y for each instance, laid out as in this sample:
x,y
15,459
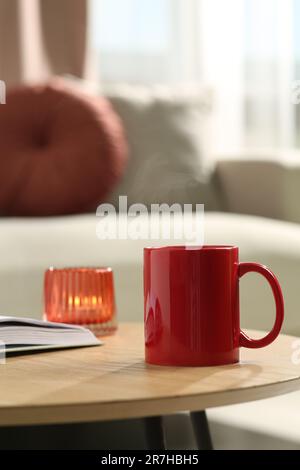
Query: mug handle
x,y
245,341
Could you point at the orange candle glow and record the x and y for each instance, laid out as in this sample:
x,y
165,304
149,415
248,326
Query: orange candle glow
x,y
82,296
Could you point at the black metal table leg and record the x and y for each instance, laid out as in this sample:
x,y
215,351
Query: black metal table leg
x,y
154,433
201,430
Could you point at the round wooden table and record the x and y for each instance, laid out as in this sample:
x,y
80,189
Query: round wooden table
x,y
113,382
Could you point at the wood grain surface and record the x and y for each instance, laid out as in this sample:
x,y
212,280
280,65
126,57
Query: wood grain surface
x,y
113,382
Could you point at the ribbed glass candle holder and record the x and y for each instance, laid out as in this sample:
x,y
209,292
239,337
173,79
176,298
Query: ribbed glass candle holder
x,y
81,296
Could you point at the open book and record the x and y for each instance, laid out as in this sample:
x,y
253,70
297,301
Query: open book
x,y
26,334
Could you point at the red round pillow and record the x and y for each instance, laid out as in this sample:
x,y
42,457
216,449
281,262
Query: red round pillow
x,y
61,152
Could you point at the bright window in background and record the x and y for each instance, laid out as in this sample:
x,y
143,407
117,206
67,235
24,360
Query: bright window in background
x,y
116,29
144,41
134,39
247,51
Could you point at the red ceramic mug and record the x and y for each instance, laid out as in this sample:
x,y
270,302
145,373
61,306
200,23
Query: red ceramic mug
x,y
191,306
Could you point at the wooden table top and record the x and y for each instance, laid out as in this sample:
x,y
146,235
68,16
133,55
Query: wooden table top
x,y
113,382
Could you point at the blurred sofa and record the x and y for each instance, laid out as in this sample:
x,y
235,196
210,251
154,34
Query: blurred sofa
x,y
250,201
29,246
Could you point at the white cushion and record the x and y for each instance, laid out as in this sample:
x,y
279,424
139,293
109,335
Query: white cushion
x,y
168,130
